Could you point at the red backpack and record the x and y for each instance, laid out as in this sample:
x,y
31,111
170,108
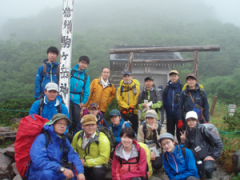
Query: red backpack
x,y
29,128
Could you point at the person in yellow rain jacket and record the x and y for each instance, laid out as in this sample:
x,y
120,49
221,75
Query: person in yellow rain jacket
x,y
127,97
93,148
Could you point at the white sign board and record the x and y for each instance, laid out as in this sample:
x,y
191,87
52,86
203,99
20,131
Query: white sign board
x,y
66,50
231,109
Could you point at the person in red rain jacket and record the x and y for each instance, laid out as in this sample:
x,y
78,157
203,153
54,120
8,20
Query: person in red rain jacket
x,y
129,160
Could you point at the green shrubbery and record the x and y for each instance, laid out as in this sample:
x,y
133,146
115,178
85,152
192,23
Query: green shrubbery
x,y
21,105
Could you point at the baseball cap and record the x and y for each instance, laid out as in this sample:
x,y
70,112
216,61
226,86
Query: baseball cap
x,y
51,86
127,73
151,113
114,112
191,114
148,78
166,136
59,116
173,72
93,106
191,75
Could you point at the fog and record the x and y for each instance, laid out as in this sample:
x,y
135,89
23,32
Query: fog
x,y
226,11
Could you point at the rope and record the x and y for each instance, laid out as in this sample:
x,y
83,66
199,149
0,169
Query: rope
x,y
224,132
13,110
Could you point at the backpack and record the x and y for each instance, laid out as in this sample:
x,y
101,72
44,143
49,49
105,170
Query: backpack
x,y
158,131
109,135
167,89
136,83
29,128
148,155
199,166
45,71
147,151
84,81
41,106
185,86
211,127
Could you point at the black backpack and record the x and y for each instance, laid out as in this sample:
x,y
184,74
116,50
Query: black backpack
x,y
158,131
41,106
200,167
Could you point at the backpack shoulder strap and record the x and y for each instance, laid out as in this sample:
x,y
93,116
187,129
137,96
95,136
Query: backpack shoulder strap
x,y
44,69
139,152
41,106
59,108
159,127
85,79
47,137
72,72
183,151
184,95
145,130
166,89
121,89
165,157
181,86
58,71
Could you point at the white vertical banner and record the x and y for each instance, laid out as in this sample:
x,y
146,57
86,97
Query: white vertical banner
x,y
66,50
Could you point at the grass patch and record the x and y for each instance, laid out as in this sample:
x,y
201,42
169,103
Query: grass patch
x,y
6,143
231,141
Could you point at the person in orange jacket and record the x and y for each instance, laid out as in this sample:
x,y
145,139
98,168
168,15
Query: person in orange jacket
x,y
102,91
127,97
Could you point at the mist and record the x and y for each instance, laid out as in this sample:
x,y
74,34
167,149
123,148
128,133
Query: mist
x,y
27,15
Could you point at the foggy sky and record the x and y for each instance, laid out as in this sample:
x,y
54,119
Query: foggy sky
x,y
226,11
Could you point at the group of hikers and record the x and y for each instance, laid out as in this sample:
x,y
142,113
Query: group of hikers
x,y
141,144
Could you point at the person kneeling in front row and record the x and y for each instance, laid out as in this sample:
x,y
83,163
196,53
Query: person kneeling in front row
x,y
93,148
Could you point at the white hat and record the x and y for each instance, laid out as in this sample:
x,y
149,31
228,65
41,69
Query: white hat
x,y
191,114
51,86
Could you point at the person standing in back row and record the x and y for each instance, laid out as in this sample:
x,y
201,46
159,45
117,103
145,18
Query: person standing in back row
x,y
102,91
171,95
127,97
79,90
47,72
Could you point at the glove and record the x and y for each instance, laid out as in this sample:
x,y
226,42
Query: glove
x,y
207,122
131,109
180,124
124,111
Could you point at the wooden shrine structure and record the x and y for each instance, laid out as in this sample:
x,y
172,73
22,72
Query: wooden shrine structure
x,y
145,61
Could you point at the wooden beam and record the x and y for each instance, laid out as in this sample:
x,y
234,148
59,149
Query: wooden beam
x,y
195,65
130,61
213,105
166,49
165,60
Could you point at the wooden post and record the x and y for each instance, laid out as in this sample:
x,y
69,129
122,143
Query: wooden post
x,y
195,64
213,105
66,50
130,61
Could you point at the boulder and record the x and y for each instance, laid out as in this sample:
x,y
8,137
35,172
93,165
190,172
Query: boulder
x,y
236,161
14,168
10,152
17,177
4,174
4,162
4,129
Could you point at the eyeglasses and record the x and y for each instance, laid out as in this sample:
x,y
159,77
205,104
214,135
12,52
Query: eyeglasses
x,y
62,124
167,143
